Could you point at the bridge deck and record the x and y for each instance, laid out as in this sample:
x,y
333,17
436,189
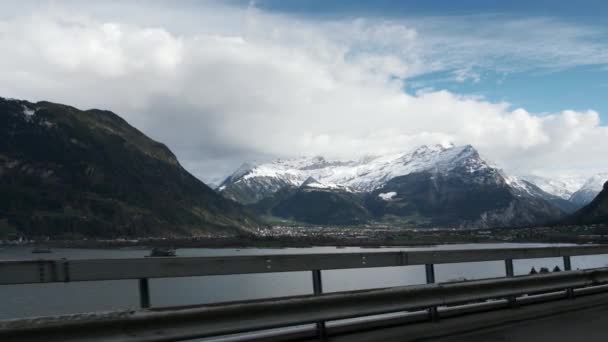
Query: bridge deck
x,y
580,319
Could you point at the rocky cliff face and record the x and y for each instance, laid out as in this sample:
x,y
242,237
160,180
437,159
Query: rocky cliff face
x,y
67,172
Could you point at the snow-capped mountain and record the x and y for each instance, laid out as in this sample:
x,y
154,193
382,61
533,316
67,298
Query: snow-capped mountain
x,y
432,185
526,186
589,190
562,187
363,175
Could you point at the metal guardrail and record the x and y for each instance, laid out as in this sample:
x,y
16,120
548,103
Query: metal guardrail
x,y
212,320
62,270
317,308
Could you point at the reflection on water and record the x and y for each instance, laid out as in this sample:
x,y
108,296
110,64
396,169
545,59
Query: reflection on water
x,y
49,299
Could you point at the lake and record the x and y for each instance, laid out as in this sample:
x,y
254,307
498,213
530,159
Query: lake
x,y
62,298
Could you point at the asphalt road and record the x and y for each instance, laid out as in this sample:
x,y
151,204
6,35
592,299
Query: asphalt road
x,y
589,325
583,319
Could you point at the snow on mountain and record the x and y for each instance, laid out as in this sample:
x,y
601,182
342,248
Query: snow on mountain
x,y
521,186
363,175
554,191
312,183
430,186
28,112
590,189
387,196
561,186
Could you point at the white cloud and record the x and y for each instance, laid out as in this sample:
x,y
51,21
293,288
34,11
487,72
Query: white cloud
x,y
257,85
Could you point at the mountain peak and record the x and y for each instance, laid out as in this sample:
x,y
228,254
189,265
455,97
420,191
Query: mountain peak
x,y
363,175
309,181
242,170
464,149
461,151
447,145
431,148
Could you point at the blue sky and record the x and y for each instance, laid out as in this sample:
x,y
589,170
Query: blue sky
x,y
577,88
537,88
582,9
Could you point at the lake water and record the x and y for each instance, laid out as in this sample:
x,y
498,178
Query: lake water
x,y
62,298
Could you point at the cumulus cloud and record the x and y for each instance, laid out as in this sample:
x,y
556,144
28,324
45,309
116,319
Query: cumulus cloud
x,y
256,85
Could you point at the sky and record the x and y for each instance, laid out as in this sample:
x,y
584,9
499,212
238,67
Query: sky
x,y
224,82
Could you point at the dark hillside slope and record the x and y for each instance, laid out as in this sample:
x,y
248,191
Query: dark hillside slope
x,y
66,172
595,212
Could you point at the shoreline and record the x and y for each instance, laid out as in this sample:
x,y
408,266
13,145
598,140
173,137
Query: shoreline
x,y
146,244
368,239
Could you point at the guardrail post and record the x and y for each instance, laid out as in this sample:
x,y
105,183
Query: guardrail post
x,y
510,273
144,293
509,268
568,267
430,279
567,263
317,287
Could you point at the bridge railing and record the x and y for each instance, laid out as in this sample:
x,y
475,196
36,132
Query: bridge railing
x,y
344,304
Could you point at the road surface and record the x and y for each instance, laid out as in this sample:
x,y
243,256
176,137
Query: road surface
x,y
583,318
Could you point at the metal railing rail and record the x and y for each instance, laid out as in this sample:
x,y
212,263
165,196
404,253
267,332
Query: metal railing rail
x,y
212,320
63,270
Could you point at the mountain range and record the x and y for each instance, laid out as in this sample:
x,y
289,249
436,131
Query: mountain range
x,y
65,172
70,173
440,185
